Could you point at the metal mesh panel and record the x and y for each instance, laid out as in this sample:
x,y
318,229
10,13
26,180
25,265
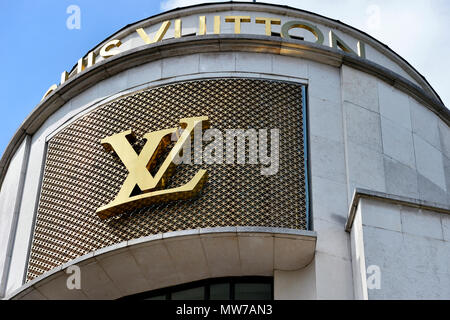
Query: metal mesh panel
x,y
80,176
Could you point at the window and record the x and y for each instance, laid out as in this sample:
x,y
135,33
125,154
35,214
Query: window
x,y
236,288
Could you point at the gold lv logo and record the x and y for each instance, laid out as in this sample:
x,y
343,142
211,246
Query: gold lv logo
x,y
140,165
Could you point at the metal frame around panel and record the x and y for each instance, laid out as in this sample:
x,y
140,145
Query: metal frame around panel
x,y
128,91
305,119
304,123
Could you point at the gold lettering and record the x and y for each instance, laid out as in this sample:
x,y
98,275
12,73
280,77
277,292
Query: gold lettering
x,y
237,22
50,90
216,24
110,48
90,59
336,42
158,36
177,33
64,77
80,65
140,165
303,25
268,22
201,25
90,62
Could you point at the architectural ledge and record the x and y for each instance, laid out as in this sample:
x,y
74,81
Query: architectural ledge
x,y
173,258
411,202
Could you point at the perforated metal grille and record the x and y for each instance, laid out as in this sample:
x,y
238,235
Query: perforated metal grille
x,y
80,176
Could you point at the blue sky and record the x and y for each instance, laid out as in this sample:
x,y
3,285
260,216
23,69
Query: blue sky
x,y
37,46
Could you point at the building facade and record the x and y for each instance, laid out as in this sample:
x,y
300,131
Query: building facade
x,y
230,151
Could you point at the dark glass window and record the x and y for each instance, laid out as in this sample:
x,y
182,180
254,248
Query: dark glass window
x,y
252,291
219,291
197,293
235,288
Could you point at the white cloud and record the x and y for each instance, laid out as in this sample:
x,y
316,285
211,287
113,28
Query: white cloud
x,y
415,29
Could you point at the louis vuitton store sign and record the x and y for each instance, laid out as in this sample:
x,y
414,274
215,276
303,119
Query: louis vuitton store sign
x,y
228,150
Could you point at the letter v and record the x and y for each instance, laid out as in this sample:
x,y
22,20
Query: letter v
x,y
158,36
